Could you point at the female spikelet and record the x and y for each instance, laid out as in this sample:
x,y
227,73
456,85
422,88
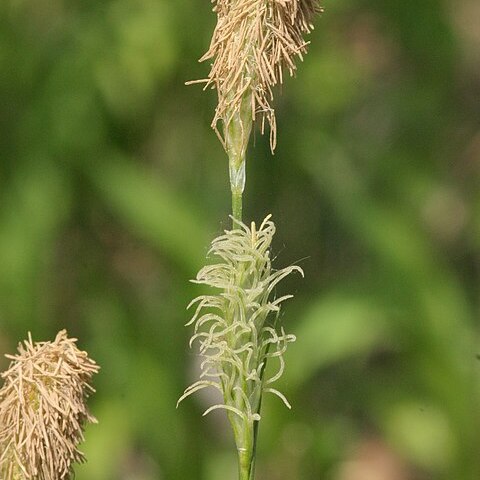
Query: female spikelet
x,y
236,326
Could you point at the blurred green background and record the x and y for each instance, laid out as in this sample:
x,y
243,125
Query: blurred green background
x,y
112,185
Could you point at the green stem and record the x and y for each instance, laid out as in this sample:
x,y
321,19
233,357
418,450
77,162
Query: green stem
x,y
237,134
245,453
245,463
237,131
237,205
237,181
254,447
244,432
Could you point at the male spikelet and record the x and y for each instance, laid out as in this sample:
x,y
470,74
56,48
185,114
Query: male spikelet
x,y
253,42
43,410
237,328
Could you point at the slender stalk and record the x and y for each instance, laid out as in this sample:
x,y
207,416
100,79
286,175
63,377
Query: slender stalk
x,y
245,464
244,438
237,205
237,134
255,438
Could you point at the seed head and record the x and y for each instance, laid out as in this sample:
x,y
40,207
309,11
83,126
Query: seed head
x,y
253,42
43,410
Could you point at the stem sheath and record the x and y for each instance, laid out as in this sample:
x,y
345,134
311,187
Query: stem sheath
x,y
237,135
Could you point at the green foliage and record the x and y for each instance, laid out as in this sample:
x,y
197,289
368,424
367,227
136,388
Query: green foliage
x,y
110,178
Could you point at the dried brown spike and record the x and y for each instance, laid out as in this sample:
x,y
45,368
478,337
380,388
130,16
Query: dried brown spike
x,y
253,42
43,409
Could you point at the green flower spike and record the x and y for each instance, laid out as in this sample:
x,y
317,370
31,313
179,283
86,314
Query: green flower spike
x,y
237,329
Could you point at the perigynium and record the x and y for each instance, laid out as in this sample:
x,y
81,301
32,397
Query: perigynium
x,y
238,329
43,409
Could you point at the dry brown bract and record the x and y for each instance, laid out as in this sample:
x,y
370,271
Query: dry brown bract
x,y
253,42
43,410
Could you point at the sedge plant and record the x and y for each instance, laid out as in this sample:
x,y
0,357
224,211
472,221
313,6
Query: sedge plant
x,y
236,325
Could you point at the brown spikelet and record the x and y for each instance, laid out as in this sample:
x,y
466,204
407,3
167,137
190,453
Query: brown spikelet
x,y
253,42
43,410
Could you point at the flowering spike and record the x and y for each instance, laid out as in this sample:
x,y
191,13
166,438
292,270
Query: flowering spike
x,y
237,325
253,42
43,411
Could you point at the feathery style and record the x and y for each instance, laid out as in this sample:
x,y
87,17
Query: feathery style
x,y
236,326
253,43
43,410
